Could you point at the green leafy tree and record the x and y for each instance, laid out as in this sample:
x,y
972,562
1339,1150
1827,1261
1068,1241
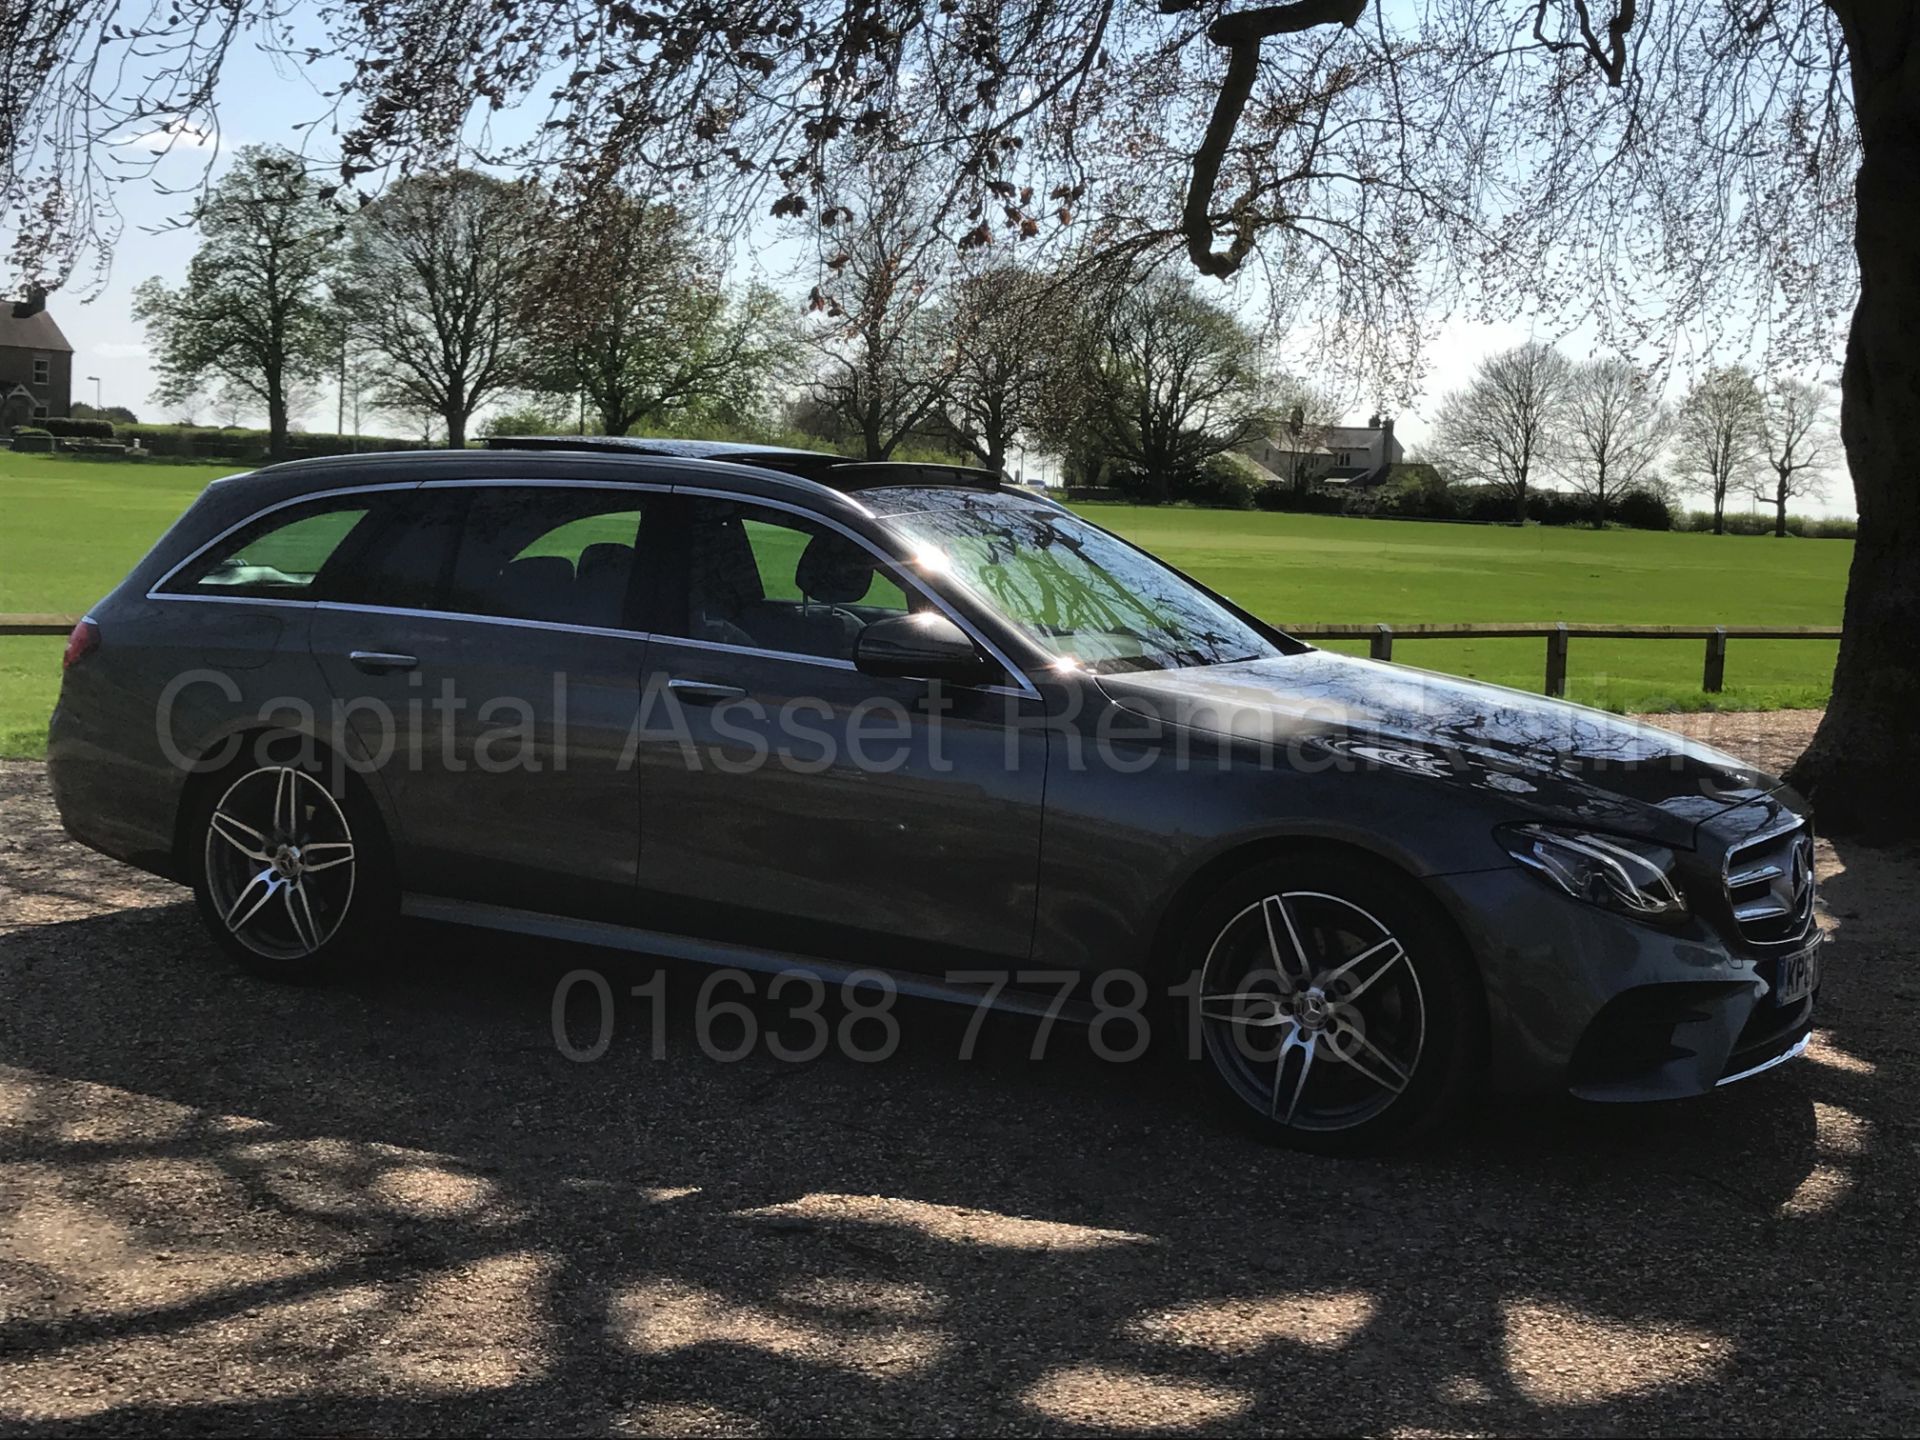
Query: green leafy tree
x,y
627,307
1175,383
435,279
251,317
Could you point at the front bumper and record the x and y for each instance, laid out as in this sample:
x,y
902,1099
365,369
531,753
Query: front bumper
x,y
1586,1002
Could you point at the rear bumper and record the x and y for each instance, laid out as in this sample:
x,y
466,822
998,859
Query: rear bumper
x,y
107,800
1584,1002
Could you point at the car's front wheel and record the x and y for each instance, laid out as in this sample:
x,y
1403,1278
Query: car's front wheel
x,y
1337,1010
288,873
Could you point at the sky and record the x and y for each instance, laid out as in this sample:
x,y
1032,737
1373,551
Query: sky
x,y
264,99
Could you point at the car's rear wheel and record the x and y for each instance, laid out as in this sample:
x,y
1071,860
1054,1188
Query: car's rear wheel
x,y
290,872
1338,1011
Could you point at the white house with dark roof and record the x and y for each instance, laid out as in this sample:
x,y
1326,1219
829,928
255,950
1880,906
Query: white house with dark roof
x,y
1330,457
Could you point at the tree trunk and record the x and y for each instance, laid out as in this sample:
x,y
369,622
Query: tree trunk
x,y
456,429
997,454
276,418
1720,512
1860,771
1780,518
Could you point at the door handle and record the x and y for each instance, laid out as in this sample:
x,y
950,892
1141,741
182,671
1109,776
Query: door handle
x,y
376,662
704,692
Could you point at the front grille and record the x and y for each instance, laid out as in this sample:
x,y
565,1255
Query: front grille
x,y
1770,886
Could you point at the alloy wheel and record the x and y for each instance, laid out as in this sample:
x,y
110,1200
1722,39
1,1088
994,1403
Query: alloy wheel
x,y
1312,1011
280,862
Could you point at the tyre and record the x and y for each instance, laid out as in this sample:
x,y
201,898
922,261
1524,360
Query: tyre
x,y
292,876
1338,1011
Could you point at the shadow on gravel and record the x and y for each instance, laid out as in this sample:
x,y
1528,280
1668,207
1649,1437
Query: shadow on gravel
x,y
394,1206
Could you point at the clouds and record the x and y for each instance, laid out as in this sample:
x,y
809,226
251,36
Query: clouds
x,y
174,135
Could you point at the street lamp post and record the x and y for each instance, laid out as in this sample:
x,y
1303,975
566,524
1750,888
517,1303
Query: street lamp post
x,y
96,390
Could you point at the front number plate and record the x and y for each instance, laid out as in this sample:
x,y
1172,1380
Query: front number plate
x,y
1798,975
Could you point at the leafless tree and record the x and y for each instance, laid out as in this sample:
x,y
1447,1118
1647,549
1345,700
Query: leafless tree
x,y
1006,321
1614,429
1641,167
1718,436
1797,427
884,348
437,268
1499,429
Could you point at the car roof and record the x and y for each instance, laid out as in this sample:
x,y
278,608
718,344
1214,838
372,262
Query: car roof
x,y
734,469
659,445
836,472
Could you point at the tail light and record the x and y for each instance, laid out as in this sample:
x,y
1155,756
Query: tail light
x,y
84,640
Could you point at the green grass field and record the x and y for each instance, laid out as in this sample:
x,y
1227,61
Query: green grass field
x,y
1323,569
70,528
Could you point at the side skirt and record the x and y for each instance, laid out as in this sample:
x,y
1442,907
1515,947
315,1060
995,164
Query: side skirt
x,y
720,955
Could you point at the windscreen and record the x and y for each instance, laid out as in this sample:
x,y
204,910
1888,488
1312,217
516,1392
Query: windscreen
x,y
1081,593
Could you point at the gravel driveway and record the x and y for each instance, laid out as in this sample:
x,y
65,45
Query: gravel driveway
x,y
395,1207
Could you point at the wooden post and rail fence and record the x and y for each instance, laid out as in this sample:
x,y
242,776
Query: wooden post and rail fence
x,y
1380,638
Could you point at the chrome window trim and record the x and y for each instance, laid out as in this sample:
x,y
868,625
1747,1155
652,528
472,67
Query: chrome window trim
x,y
413,614
153,591
721,647
644,486
1025,689
237,600
565,626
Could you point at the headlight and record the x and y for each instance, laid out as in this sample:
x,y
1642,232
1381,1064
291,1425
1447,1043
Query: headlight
x,y
1630,877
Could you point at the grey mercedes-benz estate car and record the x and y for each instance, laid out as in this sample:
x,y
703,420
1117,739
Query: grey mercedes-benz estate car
x,y
802,713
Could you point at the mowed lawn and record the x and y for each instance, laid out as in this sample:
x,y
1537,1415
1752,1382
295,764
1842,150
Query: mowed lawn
x,y
1324,569
70,529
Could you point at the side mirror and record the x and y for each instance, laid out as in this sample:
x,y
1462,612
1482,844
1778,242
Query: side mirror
x,y
927,646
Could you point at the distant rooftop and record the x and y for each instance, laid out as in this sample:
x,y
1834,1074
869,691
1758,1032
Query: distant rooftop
x,y
36,332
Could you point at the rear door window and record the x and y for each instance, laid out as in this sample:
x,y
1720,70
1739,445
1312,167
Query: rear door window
x,y
404,562
292,554
559,554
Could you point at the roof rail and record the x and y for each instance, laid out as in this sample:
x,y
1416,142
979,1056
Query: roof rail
x,y
837,472
867,474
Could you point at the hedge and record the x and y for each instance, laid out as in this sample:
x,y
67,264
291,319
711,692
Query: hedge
x,y
79,429
238,444
1739,522
1282,498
